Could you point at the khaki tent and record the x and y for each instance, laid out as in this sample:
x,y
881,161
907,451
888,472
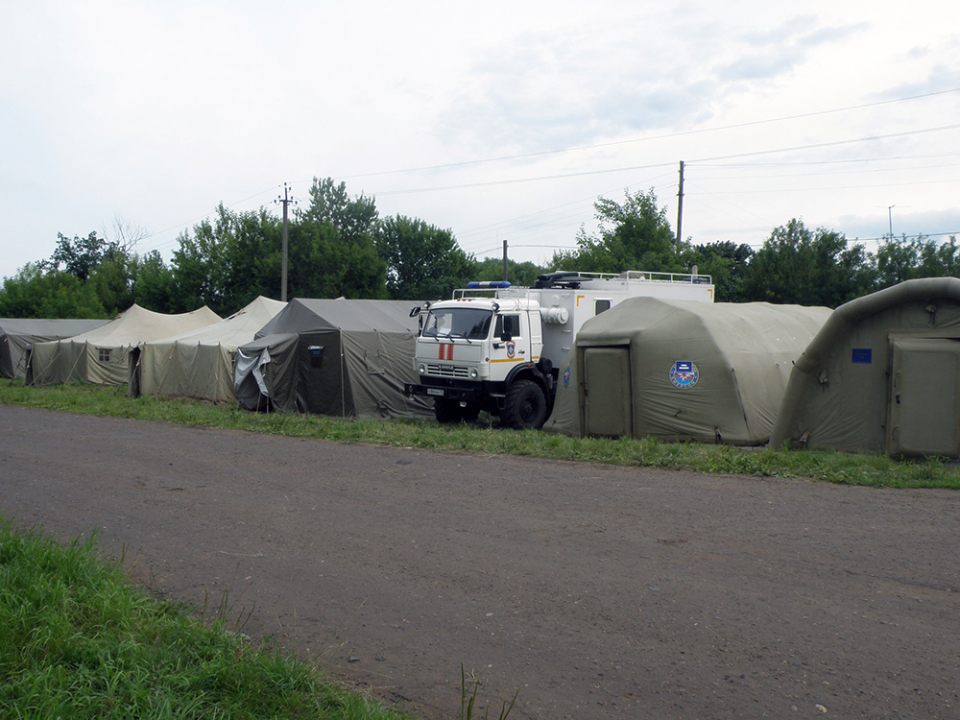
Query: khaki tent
x,y
883,375
17,336
199,364
680,370
346,358
101,356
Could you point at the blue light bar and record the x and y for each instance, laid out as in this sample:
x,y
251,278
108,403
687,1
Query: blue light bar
x,y
488,284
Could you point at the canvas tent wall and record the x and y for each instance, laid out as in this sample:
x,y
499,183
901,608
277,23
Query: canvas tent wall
x,y
681,370
101,356
199,364
18,335
350,359
883,375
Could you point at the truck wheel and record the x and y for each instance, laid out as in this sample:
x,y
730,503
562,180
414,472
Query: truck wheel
x,y
526,406
446,411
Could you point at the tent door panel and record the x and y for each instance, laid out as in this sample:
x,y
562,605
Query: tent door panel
x,y
607,390
924,410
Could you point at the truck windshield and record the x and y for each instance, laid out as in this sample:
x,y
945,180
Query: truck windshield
x,y
470,323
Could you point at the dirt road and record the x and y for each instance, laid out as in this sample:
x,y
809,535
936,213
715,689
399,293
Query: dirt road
x,y
597,592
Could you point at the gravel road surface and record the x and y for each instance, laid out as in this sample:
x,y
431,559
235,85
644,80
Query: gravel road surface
x,y
598,592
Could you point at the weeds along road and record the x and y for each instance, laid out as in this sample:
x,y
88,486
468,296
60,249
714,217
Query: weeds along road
x,y
598,592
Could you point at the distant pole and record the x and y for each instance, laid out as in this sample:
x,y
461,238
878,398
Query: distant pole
x,y
504,260
283,271
890,218
680,207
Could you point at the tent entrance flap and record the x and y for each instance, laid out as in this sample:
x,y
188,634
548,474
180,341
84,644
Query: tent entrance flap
x,y
607,389
924,398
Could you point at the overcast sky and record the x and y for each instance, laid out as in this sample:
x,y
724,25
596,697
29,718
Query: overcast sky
x,y
497,120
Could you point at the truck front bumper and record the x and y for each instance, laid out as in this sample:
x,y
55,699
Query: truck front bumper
x,y
445,393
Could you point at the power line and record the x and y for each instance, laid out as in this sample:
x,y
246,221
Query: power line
x,y
614,143
586,173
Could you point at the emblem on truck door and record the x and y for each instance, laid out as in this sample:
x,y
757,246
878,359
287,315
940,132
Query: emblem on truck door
x,y
511,348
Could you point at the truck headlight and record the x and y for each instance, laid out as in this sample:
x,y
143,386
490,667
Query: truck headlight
x,y
422,369
473,373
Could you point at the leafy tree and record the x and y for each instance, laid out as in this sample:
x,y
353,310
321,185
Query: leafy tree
x,y
33,293
899,260
423,261
226,262
800,266
634,235
522,274
155,286
80,256
101,268
330,203
725,263
331,247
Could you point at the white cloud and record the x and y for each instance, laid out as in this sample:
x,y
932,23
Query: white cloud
x,y
158,111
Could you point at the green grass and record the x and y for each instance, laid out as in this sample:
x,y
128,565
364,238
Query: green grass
x,y
78,641
873,470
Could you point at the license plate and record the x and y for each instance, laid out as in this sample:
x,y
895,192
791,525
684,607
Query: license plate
x,y
434,391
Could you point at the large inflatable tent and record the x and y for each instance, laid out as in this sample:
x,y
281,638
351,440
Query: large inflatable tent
x,y
883,376
101,356
18,336
680,370
345,358
199,364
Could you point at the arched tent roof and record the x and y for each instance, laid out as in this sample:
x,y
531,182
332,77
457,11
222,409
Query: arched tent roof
x,y
680,370
881,375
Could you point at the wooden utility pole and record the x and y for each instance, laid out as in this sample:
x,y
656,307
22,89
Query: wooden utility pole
x,y
283,272
504,260
680,207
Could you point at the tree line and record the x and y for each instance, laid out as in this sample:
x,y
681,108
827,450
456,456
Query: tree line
x,y
339,246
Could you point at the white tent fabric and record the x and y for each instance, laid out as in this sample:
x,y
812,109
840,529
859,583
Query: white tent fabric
x,y
101,356
199,364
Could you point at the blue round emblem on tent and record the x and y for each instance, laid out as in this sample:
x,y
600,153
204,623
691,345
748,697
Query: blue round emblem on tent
x,y
684,374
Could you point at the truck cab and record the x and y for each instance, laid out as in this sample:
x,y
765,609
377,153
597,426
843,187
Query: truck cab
x,y
481,353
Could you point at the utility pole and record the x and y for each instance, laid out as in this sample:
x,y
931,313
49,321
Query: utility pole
x,y
890,219
283,273
504,260
680,207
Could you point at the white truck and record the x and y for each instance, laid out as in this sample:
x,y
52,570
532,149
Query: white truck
x,y
499,348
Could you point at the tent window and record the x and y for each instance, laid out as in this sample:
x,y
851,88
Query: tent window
x,y
103,355
602,306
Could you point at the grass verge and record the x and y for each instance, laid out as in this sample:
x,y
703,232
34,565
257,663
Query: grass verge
x,y
77,640
873,470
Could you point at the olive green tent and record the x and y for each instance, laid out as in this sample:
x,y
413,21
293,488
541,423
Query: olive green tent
x,y
883,375
199,364
19,335
680,370
101,356
345,358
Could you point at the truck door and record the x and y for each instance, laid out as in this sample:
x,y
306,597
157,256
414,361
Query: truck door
x,y
608,397
506,353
